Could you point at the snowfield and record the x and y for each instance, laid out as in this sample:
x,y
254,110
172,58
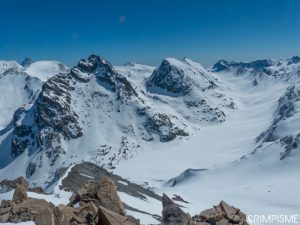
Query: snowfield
x,y
232,131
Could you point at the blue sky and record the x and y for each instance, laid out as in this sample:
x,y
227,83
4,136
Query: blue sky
x,y
146,31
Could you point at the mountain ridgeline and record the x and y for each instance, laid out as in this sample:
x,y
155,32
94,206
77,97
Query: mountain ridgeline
x,y
95,113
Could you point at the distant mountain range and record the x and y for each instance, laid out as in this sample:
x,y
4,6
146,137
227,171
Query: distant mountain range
x,y
136,119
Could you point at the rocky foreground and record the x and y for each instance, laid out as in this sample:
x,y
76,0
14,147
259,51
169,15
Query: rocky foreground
x,y
98,203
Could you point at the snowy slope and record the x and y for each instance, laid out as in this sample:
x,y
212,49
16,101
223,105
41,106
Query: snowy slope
x,y
46,69
6,66
228,161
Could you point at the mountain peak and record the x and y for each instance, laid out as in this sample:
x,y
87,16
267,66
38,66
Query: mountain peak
x,y
96,65
170,78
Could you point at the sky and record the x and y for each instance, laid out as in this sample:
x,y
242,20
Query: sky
x,y
146,31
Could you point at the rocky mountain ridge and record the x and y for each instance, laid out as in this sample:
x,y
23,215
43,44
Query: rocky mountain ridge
x,y
97,202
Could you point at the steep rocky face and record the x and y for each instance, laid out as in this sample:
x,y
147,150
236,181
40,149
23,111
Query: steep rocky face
x,y
50,120
285,109
102,193
284,116
164,127
105,74
191,86
179,78
170,78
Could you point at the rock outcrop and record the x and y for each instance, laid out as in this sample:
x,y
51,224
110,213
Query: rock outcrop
x,y
172,214
222,214
103,193
99,205
20,194
22,209
169,78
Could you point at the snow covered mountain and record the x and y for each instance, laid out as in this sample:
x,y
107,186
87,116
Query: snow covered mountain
x,y
74,113
178,128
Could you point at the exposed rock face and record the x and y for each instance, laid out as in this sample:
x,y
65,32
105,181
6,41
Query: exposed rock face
x,y
164,127
55,116
170,78
105,74
172,214
290,143
287,108
185,175
107,217
20,194
102,193
48,122
40,211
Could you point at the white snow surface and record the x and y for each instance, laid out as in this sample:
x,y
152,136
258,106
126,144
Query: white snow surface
x,y
46,69
257,183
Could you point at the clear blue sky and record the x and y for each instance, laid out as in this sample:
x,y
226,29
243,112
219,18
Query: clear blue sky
x,y
146,31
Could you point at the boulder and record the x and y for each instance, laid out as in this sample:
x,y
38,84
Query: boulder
x,y
37,210
20,194
69,215
102,193
89,212
222,214
108,217
108,196
223,222
229,211
172,214
209,215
